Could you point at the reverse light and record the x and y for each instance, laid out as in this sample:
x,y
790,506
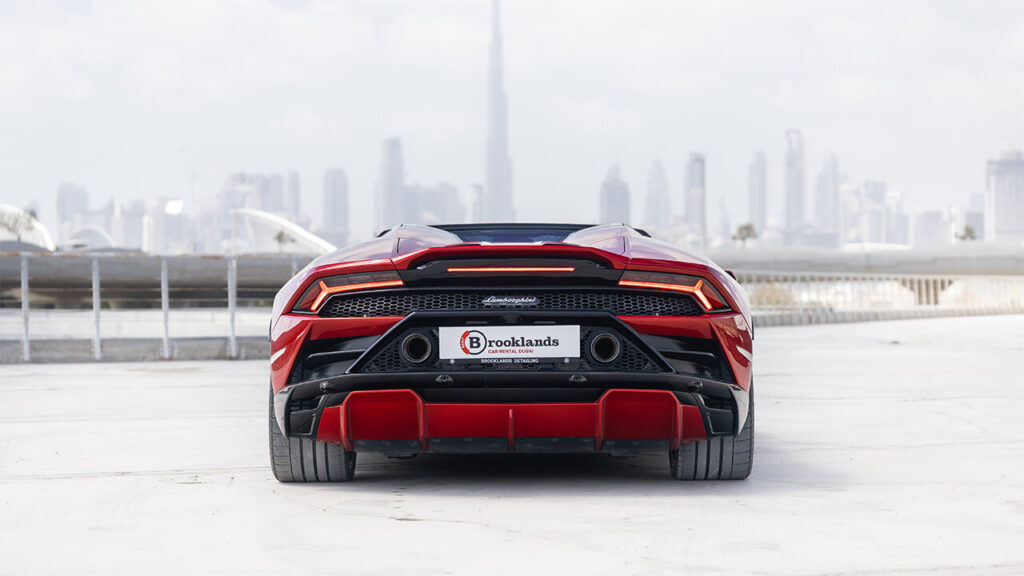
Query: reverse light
x,y
705,293
323,288
513,269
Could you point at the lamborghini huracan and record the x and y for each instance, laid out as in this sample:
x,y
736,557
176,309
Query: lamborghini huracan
x,y
511,338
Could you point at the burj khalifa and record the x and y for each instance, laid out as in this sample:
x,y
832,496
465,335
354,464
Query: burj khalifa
x,y
497,197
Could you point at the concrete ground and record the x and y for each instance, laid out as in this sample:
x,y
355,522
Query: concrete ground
x,y
890,447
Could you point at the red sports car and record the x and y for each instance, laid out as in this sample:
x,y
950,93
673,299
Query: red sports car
x,y
533,338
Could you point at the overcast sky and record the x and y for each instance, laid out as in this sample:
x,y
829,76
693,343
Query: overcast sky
x,y
129,99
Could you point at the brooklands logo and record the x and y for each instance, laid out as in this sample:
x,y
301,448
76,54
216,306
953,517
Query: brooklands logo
x,y
510,301
474,342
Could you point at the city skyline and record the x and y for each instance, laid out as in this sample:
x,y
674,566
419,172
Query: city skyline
x,y
844,209
122,133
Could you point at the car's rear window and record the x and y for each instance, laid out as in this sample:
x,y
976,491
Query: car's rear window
x,y
519,233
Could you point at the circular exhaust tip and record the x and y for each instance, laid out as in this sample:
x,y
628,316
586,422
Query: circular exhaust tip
x,y
605,348
416,348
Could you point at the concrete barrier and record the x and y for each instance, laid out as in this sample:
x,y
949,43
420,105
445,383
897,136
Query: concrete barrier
x,y
135,349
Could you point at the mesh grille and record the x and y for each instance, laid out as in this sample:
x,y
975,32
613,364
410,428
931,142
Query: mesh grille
x,y
404,303
389,360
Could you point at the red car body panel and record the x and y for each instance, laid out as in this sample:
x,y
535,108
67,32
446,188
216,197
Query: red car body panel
x,y
401,414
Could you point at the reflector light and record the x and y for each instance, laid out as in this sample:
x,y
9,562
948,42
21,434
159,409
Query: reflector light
x,y
501,269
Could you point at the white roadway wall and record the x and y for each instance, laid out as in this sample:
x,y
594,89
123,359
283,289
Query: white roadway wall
x,y
183,323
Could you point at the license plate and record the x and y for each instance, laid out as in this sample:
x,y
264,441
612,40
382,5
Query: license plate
x,y
508,342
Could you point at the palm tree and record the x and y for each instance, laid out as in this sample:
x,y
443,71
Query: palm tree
x,y
744,233
282,238
967,235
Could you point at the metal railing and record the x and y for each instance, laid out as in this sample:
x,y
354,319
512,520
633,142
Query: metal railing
x,y
784,298
98,297
170,299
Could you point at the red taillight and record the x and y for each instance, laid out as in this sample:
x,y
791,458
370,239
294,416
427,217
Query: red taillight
x,y
513,269
695,289
323,288
706,294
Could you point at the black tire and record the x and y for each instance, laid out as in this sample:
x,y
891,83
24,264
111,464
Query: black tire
x,y
299,459
718,458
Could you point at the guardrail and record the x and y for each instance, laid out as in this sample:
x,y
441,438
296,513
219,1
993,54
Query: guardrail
x,y
120,306
786,298
121,299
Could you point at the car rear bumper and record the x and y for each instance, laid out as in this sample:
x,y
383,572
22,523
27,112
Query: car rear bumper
x,y
397,421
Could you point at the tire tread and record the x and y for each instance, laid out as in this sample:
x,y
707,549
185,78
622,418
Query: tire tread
x,y
717,458
300,459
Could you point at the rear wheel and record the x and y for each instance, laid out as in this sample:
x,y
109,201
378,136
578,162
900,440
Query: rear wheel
x,y
718,458
299,459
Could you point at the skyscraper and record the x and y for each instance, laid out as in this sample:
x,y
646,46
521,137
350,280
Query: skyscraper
x,y
476,203
293,198
657,211
1004,198
614,198
849,212
240,190
437,204
335,221
826,197
696,215
931,228
389,195
757,193
271,191
724,222
72,202
795,189
874,218
897,229
971,216
128,225
497,200
173,232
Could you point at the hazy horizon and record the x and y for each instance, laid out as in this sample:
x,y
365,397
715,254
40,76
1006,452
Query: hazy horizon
x,y
130,100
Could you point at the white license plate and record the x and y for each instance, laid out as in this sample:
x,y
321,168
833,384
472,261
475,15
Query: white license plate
x,y
511,342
